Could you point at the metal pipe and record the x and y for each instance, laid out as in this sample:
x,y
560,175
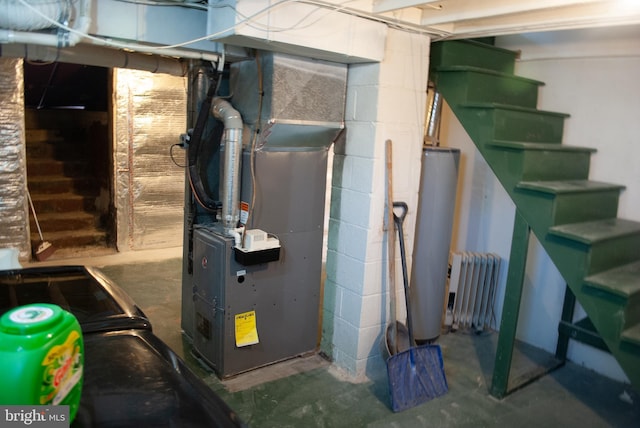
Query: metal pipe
x,y
232,140
433,114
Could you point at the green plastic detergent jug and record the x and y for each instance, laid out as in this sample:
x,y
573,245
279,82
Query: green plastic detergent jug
x,y
42,356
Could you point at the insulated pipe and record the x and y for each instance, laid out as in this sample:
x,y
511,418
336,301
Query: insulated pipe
x,y
232,140
65,39
96,56
18,17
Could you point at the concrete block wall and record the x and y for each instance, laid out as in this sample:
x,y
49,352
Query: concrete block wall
x,y
385,100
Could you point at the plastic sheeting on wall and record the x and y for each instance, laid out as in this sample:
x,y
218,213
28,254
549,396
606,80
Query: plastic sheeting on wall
x,y
150,114
14,214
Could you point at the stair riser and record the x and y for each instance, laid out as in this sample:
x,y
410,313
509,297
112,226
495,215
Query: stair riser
x,y
79,186
479,87
576,260
72,241
624,311
57,168
476,55
553,210
54,150
87,204
55,225
510,125
537,165
632,312
43,135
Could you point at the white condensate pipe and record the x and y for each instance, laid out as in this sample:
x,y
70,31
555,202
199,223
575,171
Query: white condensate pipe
x,y
232,139
18,18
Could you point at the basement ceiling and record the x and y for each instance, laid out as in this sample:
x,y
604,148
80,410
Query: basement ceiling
x,y
478,18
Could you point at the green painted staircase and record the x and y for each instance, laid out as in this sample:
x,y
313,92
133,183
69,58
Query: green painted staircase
x,y
574,218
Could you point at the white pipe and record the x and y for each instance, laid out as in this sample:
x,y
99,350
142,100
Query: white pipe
x,y
237,235
224,111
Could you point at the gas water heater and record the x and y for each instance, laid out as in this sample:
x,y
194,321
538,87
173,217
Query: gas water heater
x,y
252,263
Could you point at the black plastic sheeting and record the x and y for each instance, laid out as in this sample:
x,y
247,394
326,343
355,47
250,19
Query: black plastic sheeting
x,y
131,378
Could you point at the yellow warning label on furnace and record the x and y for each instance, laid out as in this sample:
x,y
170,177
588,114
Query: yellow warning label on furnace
x,y
246,331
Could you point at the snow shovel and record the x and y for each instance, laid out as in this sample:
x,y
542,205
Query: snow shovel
x,y
396,335
417,374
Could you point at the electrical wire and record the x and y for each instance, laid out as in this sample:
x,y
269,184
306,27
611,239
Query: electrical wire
x,y
252,160
171,155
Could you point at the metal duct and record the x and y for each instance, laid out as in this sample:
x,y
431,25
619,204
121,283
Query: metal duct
x,y
433,114
14,215
232,141
303,100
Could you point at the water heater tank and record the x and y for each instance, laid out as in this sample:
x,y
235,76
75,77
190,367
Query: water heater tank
x,y
434,224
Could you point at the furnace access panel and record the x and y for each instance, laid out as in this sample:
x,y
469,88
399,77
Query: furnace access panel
x,y
250,316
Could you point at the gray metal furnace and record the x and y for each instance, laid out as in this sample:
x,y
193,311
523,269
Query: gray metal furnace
x,y
253,304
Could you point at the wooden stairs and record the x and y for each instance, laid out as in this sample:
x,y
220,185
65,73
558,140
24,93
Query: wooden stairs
x,y
64,189
574,218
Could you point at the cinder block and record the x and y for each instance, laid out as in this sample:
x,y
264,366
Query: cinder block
x,y
373,311
362,103
361,171
369,343
345,337
351,307
360,139
363,74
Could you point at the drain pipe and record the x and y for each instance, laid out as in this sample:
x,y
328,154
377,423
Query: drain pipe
x,y
61,40
232,140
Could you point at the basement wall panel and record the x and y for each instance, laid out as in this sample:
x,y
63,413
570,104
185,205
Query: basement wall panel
x,y
14,207
150,115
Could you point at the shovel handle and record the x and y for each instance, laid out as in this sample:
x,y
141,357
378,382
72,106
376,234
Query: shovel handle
x,y
403,206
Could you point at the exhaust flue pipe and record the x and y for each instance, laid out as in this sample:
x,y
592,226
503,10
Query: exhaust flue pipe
x,y
232,140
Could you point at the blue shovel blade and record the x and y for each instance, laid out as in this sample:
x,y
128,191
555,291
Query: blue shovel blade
x,y
416,376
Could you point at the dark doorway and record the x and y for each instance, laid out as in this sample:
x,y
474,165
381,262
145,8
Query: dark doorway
x,y
68,148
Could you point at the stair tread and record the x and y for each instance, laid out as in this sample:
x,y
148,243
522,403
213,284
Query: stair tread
x,y
56,196
60,234
522,145
65,215
567,186
632,334
591,232
623,281
499,106
55,177
463,68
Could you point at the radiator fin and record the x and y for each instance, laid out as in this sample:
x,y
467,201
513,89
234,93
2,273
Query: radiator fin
x,y
472,286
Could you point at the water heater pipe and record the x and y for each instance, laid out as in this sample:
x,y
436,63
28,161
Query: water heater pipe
x,y
232,140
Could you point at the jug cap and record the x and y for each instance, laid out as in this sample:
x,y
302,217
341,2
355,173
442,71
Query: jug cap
x,y
31,319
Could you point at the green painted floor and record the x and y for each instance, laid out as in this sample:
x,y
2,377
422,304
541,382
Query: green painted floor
x,y
312,393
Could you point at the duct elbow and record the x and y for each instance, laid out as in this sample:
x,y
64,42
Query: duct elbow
x,y
224,112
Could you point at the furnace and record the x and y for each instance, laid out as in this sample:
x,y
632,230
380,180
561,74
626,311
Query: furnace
x,y
253,260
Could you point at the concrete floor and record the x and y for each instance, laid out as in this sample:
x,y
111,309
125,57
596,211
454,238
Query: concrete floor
x,y
310,392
